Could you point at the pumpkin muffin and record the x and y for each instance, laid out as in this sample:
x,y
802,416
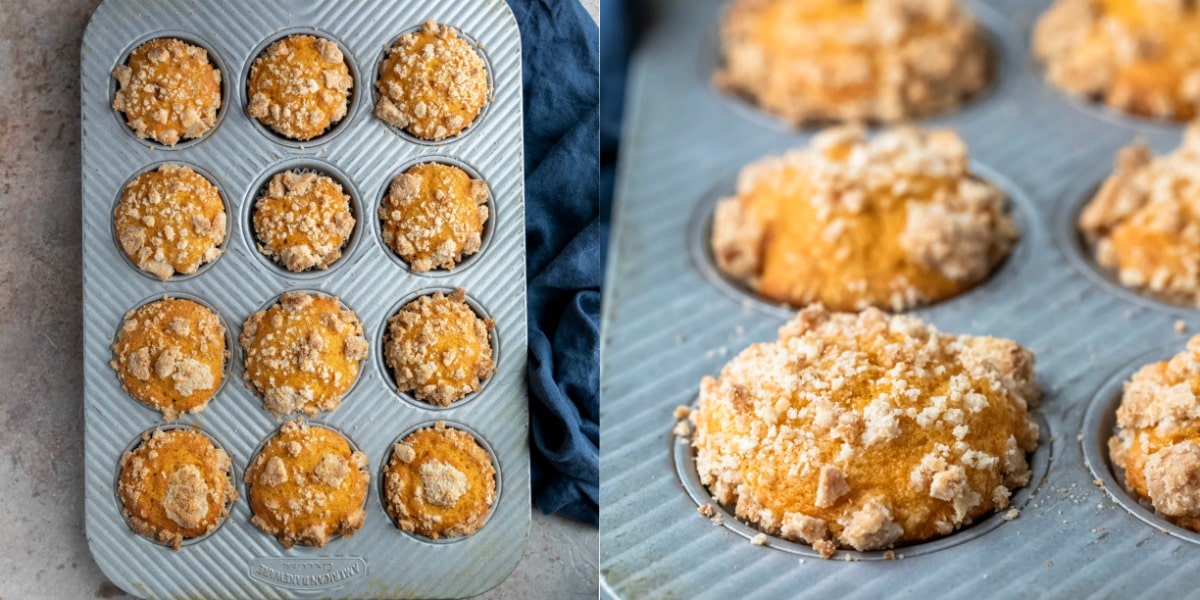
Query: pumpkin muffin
x,y
432,83
299,86
170,220
866,430
168,91
808,61
303,353
1140,57
894,222
307,485
175,486
438,348
433,216
170,355
1144,223
303,221
1157,438
439,483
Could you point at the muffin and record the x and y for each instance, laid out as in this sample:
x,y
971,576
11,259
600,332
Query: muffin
x,y
895,222
432,83
170,221
168,91
866,430
175,486
1157,437
807,61
299,86
303,220
433,216
1143,224
303,353
170,355
438,348
307,485
439,483
1139,57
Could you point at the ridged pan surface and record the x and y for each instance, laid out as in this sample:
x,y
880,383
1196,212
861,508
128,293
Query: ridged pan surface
x,y
670,319
239,561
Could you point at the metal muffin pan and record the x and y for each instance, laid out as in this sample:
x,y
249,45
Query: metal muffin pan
x,y
239,561
670,318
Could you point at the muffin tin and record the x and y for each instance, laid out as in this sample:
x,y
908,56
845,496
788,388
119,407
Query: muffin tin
x,y
364,154
671,318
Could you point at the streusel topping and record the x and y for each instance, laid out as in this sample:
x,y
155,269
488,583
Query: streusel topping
x,y
303,220
438,348
170,220
168,90
433,216
300,86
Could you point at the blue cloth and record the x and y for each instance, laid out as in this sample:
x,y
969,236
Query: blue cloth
x,y
560,58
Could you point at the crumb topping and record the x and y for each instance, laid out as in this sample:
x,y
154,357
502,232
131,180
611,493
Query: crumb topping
x,y
168,90
893,222
432,83
438,348
433,216
439,483
186,501
170,220
299,86
443,484
303,221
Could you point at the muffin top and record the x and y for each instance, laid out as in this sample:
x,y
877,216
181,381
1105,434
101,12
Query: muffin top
x,y
433,215
307,485
432,83
1137,56
809,61
894,222
168,90
439,483
170,355
866,430
175,485
303,220
170,220
299,86
303,353
1144,223
438,348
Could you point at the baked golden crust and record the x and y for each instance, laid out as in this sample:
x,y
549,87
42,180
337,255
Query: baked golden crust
x,y
1140,57
866,430
439,483
175,486
168,91
808,61
299,86
432,83
433,215
307,485
1157,438
894,222
170,220
170,355
303,353
303,220
438,348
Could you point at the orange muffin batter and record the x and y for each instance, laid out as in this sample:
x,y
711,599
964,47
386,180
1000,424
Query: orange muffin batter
x,y
440,483
303,353
307,485
303,220
866,430
894,222
1144,223
438,348
1157,439
299,86
170,355
808,61
1141,57
432,83
433,215
168,91
170,220
175,486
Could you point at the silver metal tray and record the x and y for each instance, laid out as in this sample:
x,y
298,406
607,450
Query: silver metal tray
x,y
237,560
671,318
